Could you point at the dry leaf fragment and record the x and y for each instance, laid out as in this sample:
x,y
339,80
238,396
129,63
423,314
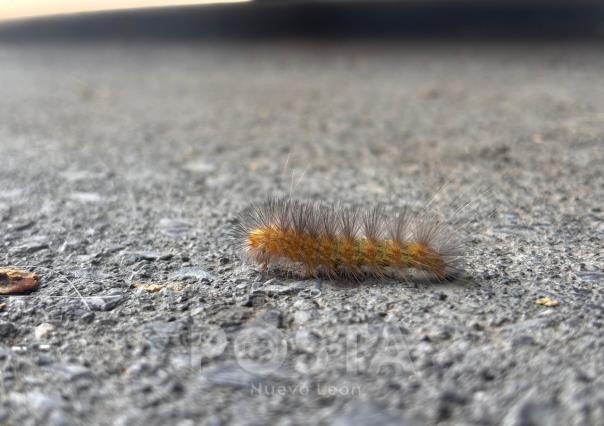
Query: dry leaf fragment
x,y
151,288
175,286
154,288
547,301
15,281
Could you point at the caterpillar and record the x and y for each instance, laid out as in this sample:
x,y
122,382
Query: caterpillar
x,y
332,241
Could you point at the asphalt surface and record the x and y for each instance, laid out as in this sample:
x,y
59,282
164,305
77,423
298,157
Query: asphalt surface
x,y
124,167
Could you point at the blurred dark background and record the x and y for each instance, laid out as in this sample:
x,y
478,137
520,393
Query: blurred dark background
x,y
259,19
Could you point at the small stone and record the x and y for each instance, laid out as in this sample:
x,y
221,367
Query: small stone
x,y
528,413
277,290
302,317
8,330
137,368
285,289
81,175
21,225
31,246
11,193
193,272
487,374
19,349
582,376
71,245
590,276
104,303
440,296
199,166
44,360
88,258
273,317
85,197
43,330
451,397
254,300
78,311
443,332
523,340
71,372
531,325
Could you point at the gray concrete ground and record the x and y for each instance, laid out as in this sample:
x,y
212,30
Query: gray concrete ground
x,y
125,166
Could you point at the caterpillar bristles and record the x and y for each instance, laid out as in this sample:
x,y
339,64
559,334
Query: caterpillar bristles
x,y
331,241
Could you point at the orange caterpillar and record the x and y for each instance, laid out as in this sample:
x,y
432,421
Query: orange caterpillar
x,y
333,241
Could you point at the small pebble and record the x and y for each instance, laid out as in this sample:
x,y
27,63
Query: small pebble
x,y
43,330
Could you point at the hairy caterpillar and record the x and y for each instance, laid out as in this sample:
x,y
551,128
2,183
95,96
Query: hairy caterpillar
x,y
333,241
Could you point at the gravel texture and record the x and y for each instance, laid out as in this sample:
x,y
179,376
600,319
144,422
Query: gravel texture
x,y
125,166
